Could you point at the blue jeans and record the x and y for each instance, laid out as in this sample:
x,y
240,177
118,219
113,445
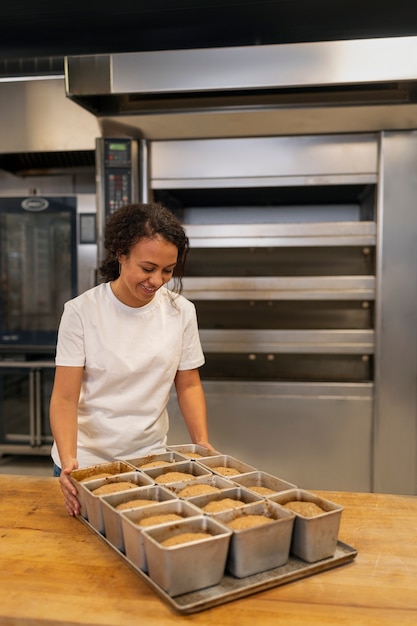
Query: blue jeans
x,y
57,471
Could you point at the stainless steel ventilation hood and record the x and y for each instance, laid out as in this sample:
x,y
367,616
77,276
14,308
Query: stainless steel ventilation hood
x,y
42,132
338,86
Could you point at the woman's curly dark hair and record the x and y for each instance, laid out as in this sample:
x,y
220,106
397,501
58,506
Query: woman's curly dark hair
x,y
126,226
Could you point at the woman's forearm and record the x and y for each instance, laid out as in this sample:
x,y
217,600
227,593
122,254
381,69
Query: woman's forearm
x,y
192,403
64,429
64,411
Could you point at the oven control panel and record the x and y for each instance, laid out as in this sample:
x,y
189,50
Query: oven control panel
x,y
117,174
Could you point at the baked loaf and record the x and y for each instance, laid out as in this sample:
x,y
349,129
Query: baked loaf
x,y
159,519
307,509
173,477
197,490
132,504
249,521
113,488
226,471
263,491
184,538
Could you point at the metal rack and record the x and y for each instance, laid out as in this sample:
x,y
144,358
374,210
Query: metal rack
x,y
24,401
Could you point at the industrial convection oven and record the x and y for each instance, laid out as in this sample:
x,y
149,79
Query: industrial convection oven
x,y
47,256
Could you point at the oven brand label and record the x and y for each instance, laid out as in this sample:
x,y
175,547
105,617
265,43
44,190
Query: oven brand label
x,y
35,204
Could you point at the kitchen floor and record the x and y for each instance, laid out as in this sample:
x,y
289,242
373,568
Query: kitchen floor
x,y
34,465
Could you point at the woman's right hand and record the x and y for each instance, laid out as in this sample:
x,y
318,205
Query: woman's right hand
x,y
68,489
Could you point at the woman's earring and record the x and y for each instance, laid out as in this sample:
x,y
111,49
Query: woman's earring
x,y
120,268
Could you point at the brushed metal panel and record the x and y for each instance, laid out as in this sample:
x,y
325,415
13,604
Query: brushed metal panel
x,y
265,156
395,437
265,66
301,234
37,117
264,122
289,341
283,288
322,229
253,242
264,181
317,436
87,74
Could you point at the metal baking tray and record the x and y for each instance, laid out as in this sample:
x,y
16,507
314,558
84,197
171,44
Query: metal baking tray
x,y
231,588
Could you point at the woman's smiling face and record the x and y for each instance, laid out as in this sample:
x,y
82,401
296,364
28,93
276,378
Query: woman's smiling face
x,y
148,266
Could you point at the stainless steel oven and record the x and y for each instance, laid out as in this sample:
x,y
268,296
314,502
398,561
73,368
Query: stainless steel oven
x,y
295,243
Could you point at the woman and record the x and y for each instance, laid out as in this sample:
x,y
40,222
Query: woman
x,y
121,346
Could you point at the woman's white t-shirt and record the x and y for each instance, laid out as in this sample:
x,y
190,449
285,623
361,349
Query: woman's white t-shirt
x,y
130,357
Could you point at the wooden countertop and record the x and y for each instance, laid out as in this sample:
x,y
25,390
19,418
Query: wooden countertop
x,y
55,570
